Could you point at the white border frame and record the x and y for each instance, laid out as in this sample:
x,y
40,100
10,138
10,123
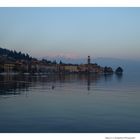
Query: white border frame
x,y
69,3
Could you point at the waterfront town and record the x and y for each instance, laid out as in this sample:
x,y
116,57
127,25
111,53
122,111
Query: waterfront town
x,y
26,64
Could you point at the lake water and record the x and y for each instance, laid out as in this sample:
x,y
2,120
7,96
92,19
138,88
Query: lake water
x,y
70,103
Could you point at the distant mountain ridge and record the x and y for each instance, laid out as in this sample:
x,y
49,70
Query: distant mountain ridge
x,y
129,65
66,59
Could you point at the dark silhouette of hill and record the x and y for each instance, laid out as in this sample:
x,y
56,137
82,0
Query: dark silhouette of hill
x,y
13,55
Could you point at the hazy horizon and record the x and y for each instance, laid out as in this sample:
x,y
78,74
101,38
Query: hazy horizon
x,y
72,32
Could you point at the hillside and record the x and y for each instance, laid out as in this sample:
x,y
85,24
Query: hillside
x,y
6,54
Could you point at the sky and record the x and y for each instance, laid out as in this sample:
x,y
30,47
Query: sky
x,y
72,32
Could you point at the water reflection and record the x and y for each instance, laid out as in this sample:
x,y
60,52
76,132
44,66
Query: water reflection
x,y
108,77
14,84
88,82
69,103
119,76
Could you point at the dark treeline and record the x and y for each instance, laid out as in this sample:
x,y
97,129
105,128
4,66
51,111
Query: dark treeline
x,y
14,54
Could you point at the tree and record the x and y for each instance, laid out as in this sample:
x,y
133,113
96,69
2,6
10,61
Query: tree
x,y
60,62
119,70
108,70
54,62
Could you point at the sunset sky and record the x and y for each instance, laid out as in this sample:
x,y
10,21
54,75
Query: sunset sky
x,y
72,32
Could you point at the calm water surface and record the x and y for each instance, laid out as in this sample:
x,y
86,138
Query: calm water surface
x,y
70,103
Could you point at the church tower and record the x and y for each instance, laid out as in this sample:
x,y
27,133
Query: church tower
x,y
88,60
88,65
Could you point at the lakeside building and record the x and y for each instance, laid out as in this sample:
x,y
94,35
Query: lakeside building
x,y
92,68
21,66
70,68
51,68
1,68
9,67
36,66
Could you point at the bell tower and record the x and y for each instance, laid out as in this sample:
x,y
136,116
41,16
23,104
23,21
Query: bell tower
x,y
88,64
88,60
